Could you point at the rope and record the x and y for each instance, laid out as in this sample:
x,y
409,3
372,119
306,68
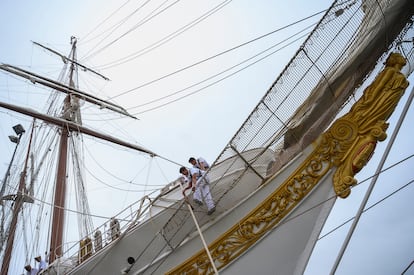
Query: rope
x,y
200,233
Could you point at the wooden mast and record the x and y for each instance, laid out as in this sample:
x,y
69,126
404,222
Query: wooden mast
x,y
20,197
56,239
68,123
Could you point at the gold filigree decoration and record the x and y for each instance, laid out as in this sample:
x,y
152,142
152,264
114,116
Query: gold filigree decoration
x,y
365,124
348,144
244,234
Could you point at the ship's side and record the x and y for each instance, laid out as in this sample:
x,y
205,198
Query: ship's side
x,y
276,181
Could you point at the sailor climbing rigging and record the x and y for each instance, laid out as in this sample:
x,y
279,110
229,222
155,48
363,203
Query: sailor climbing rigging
x,y
200,186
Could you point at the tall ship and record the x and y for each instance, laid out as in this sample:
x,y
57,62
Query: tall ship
x,y
334,112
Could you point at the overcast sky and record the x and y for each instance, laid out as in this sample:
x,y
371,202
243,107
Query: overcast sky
x,y
138,56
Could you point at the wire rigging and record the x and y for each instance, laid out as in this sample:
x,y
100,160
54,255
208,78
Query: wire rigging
x,y
114,28
112,174
166,38
103,21
215,56
142,22
366,209
113,186
214,76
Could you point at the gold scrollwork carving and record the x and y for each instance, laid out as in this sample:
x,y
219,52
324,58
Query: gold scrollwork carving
x,y
344,130
271,211
348,145
367,119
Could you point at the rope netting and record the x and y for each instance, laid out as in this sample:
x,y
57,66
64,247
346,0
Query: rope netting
x,y
310,91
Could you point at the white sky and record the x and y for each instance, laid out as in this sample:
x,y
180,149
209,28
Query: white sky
x,y
199,125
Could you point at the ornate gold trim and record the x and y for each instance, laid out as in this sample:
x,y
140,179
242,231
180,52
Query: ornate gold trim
x,y
348,144
356,134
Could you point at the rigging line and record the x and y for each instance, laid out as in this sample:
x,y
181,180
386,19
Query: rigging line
x,y
148,176
408,267
336,228
115,176
314,62
166,38
88,84
374,180
114,28
117,188
366,209
349,5
161,170
33,178
183,201
359,183
235,182
149,164
200,233
103,21
85,224
76,211
112,145
167,243
213,83
72,61
407,55
144,249
24,233
333,197
142,22
156,255
385,20
228,69
169,160
216,55
177,210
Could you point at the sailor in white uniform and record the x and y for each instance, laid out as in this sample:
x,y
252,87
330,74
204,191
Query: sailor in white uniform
x,y
199,163
200,186
30,270
42,263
